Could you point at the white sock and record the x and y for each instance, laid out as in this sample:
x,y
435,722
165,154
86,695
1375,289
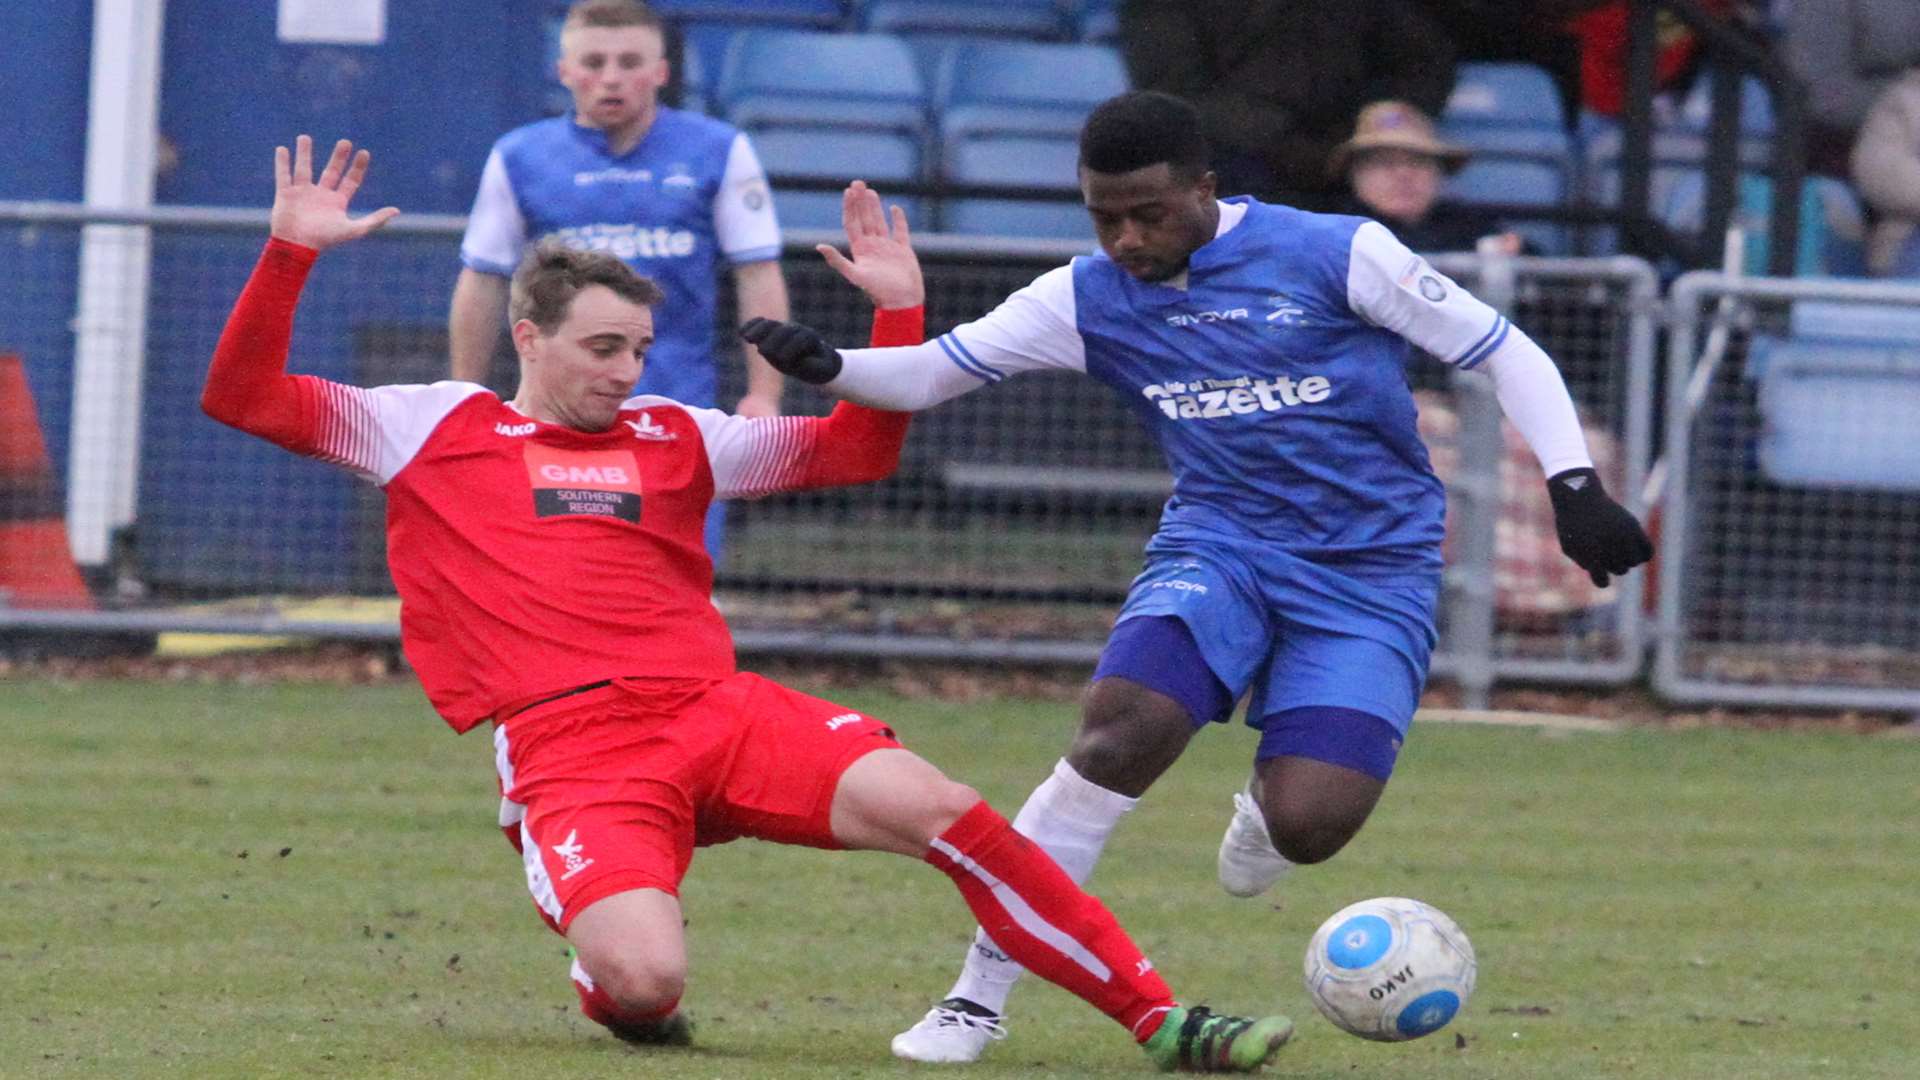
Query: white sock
x,y
1070,818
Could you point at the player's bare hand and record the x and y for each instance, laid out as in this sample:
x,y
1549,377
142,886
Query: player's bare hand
x,y
883,264
313,211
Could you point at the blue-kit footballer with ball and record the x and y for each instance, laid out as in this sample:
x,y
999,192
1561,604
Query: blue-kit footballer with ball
x,y
1297,563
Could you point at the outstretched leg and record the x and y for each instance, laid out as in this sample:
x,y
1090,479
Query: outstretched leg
x,y
891,800
1151,691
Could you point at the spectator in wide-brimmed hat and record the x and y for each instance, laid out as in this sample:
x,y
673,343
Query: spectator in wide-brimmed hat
x,y
1394,165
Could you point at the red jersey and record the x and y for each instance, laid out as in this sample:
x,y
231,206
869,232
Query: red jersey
x,y
530,557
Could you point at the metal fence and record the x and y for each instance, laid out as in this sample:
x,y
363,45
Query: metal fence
x,y
1010,531
1790,548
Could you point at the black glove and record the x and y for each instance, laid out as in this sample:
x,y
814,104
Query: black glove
x,y
793,349
1595,532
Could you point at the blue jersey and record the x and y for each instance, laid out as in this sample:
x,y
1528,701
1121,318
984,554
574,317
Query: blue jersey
x,y
1272,377
690,195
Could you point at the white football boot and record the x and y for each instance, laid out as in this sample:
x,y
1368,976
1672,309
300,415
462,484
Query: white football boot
x,y
948,1035
1249,865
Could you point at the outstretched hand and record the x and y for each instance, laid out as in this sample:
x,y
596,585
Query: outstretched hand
x,y
883,264
314,212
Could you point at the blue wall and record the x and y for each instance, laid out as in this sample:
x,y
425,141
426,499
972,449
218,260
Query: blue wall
x,y
450,77
43,128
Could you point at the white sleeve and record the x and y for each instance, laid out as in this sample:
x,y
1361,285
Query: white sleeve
x,y
496,231
749,456
1034,329
1392,288
376,431
1535,399
743,218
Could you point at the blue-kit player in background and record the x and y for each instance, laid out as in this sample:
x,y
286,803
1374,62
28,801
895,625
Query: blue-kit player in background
x,y
675,195
1298,560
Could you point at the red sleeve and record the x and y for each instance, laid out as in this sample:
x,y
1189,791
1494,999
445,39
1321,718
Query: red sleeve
x,y
855,444
247,385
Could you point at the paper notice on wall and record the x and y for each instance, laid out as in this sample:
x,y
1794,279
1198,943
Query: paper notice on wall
x,y
333,22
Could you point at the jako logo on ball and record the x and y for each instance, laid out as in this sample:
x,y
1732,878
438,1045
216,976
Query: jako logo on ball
x,y
1390,969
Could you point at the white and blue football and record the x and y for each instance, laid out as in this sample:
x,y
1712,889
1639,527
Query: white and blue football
x,y
1390,969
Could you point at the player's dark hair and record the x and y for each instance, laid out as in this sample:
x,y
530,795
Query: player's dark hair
x,y
1141,129
613,13
553,274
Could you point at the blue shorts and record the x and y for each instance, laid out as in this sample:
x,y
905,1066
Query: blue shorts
x,y
1309,644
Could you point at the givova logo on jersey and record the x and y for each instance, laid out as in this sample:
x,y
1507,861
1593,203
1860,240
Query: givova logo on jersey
x,y
1213,399
629,241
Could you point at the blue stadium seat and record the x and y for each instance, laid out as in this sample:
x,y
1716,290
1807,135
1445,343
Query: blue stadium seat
x,y
1012,87
1832,222
1526,183
1504,95
703,53
832,81
1097,22
1684,140
1028,20
820,13
930,52
883,159
1838,412
1842,320
1509,114
1048,162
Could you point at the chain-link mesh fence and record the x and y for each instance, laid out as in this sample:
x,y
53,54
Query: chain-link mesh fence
x,y
1790,568
1012,528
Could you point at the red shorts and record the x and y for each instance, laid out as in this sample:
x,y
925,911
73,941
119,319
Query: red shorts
x,y
614,787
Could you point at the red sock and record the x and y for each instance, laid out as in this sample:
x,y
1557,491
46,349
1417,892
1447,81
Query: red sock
x,y
1030,908
600,1007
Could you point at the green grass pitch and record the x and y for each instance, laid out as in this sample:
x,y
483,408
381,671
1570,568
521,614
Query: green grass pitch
x,y
251,881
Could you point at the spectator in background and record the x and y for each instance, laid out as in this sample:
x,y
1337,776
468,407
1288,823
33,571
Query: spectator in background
x,y
1847,51
1886,169
1279,82
1537,33
1394,166
675,195
1602,31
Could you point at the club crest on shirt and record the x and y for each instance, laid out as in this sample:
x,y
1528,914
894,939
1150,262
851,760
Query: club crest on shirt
x,y
584,483
1285,312
679,178
645,428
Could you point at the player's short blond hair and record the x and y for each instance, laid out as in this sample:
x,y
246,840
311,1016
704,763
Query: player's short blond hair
x,y
611,13
552,274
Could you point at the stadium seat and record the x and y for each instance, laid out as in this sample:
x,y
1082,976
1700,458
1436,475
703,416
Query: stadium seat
x,y
1838,412
1504,95
1526,183
1684,140
1510,116
1832,222
1842,320
930,52
1015,87
832,81
1015,159
1097,22
703,52
1028,20
881,158
820,13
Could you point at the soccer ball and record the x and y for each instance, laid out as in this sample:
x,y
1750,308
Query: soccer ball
x,y
1390,969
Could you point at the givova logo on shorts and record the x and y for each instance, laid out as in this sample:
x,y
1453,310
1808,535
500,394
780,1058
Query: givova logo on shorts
x,y
1213,399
